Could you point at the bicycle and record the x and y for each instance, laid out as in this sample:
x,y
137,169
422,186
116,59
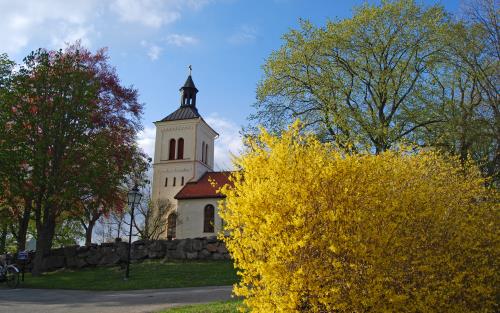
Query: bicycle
x,y
9,273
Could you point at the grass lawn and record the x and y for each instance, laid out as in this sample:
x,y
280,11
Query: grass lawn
x,y
215,307
145,275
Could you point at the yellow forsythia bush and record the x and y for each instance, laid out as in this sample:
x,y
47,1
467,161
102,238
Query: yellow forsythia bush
x,y
313,230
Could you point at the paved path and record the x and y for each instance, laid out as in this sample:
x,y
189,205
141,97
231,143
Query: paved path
x,y
134,301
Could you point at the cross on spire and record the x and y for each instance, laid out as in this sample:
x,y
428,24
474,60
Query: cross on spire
x,y
188,91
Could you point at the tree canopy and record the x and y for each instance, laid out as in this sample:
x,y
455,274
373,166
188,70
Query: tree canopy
x,y
69,138
394,72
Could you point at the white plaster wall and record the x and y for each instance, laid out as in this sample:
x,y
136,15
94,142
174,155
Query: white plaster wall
x,y
190,218
170,171
207,135
163,168
165,131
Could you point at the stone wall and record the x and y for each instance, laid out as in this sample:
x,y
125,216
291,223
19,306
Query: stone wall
x,y
108,254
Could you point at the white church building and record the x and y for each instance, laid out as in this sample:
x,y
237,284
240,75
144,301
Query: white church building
x,y
183,170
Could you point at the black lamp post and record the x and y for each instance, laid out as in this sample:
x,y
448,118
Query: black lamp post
x,y
133,199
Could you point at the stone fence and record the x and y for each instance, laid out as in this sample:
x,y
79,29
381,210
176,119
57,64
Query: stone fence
x,y
107,254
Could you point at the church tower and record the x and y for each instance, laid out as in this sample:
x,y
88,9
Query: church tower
x,y
184,148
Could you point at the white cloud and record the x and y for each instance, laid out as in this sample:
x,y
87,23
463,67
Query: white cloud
x,y
146,140
152,13
245,34
54,21
197,4
154,51
181,40
229,142
68,35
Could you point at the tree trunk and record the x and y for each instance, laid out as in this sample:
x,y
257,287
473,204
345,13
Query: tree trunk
x,y
88,235
89,230
3,239
119,227
23,226
44,242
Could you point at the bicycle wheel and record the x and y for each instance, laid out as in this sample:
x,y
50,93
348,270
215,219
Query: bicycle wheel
x,y
12,277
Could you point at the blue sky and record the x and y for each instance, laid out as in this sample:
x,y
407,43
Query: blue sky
x,y
151,43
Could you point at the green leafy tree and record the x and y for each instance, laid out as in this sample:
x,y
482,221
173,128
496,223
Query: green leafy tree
x,y
5,234
68,232
473,52
470,126
360,82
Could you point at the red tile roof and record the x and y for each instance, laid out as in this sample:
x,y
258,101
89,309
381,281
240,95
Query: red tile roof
x,y
203,188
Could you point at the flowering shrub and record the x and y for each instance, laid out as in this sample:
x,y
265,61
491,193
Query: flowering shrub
x,y
314,230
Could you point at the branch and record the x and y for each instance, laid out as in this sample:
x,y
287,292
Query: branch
x,y
417,126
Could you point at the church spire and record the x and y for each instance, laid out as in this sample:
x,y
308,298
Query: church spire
x,y
188,91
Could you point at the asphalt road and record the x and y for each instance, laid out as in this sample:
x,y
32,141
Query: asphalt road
x,y
133,301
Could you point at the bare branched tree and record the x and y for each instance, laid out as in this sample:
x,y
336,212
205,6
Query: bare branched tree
x,y
110,227
150,220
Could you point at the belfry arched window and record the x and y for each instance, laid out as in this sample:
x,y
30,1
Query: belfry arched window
x,y
180,149
171,150
209,218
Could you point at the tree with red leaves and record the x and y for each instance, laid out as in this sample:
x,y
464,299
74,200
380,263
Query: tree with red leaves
x,y
71,127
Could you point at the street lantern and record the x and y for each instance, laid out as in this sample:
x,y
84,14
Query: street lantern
x,y
133,199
